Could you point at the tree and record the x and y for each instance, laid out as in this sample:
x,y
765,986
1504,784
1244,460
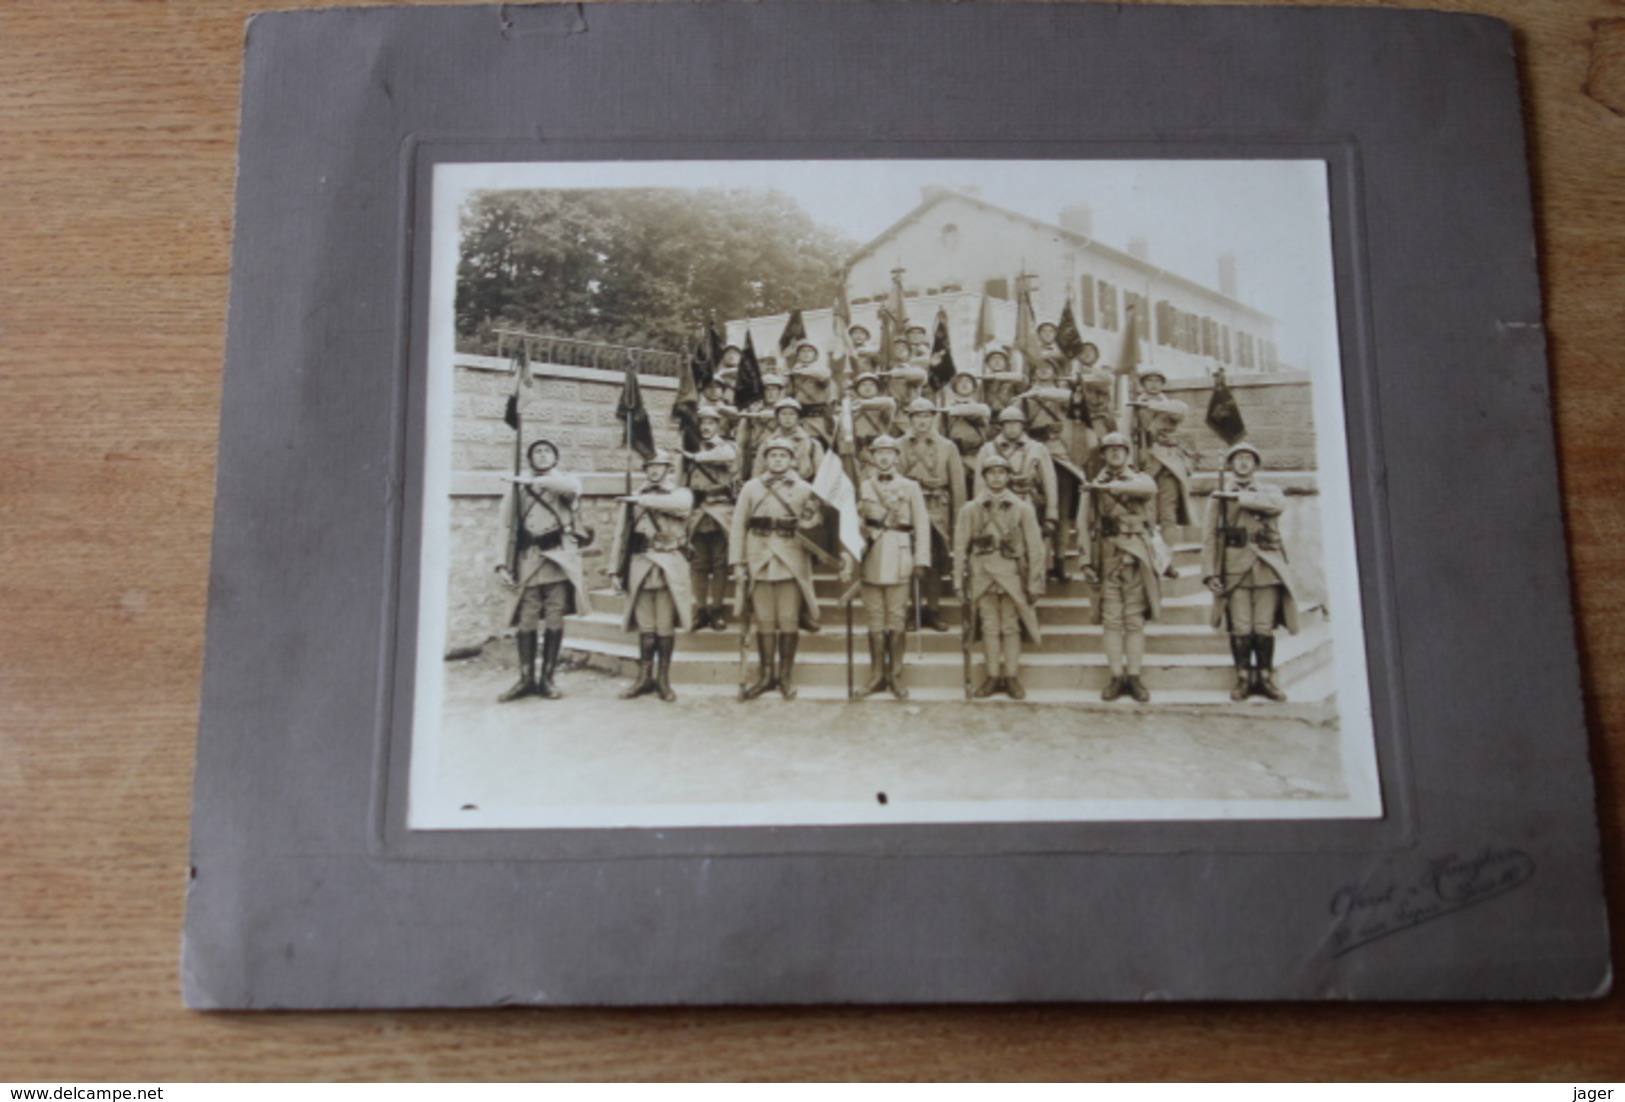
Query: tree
x,y
639,266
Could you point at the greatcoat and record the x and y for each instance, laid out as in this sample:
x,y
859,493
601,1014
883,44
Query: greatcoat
x,y
896,528
653,533
998,542
1032,471
933,461
1252,550
1159,419
547,520
713,476
1124,511
783,508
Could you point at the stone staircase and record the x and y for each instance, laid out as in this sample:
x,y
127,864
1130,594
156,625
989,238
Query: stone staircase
x,y
1186,662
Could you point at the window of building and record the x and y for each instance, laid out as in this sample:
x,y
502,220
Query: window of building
x,y
950,236
1088,300
1108,306
1224,344
997,288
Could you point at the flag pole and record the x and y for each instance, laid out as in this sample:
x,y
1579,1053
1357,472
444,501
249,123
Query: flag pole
x,y
629,453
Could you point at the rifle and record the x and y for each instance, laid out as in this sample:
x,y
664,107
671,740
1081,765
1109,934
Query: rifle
x,y
1224,550
967,631
746,614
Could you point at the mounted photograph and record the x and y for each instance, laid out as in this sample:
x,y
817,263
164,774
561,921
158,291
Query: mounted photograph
x,y
778,493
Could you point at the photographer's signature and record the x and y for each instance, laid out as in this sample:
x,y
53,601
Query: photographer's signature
x,y
1368,912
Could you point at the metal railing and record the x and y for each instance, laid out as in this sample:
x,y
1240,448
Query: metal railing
x,y
570,352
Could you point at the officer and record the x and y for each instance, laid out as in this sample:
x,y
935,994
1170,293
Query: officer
x,y
931,460
897,550
548,578
1244,563
1121,565
653,572
873,414
768,553
1001,384
787,425
1032,472
1157,419
810,380
712,476
999,560
1046,404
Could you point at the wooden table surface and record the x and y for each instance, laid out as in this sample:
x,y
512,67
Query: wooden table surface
x,y
117,140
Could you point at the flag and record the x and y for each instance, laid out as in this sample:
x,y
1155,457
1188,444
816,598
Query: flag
x,y
795,331
521,378
1223,415
639,434
1130,362
984,325
835,483
694,376
893,319
1026,327
943,370
1067,337
841,345
748,383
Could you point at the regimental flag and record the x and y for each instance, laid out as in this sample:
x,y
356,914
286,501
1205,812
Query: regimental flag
x,y
1129,364
695,376
836,484
893,320
638,434
1067,337
985,334
521,380
841,365
713,338
748,383
795,331
1223,415
942,355
1027,327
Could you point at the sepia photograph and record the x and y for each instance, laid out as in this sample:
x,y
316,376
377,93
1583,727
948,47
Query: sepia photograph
x,y
779,493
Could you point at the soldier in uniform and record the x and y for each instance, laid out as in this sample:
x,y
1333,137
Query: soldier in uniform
x,y
1049,352
999,561
1001,384
712,476
1046,404
1157,420
756,422
653,572
810,381
864,358
873,415
906,377
1095,388
716,395
549,581
1244,563
1032,472
1121,565
968,420
933,461
897,549
787,425
768,552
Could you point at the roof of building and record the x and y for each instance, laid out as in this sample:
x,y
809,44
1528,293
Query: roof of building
x,y
936,196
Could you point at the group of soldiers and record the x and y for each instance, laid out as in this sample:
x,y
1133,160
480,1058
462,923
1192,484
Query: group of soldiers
x,y
991,488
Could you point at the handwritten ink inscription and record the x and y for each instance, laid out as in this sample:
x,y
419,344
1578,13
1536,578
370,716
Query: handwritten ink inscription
x,y
1447,884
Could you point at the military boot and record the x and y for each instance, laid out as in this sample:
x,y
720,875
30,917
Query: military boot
x,y
1013,689
1240,651
768,678
526,685
877,665
1114,687
552,639
1264,647
702,619
987,688
719,618
898,647
664,645
788,641
1136,688
645,681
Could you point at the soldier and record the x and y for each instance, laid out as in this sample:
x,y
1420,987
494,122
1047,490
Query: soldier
x,y
756,422
1032,472
1046,404
768,552
716,395
1244,563
1049,352
1000,383
712,475
1121,565
1092,410
864,358
548,575
809,384
932,461
873,414
1157,420
787,425
653,573
968,420
906,377
897,550
999,562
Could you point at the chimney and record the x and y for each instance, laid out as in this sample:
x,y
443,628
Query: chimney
x,y
1140,249
1228,283
1079,219
932,191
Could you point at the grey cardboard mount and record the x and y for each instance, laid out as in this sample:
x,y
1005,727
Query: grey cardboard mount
x,y
1482,880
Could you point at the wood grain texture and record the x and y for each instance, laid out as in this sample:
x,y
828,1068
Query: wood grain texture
x,y
117,125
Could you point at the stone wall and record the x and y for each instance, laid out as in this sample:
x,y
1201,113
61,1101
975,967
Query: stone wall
x,y
1279,413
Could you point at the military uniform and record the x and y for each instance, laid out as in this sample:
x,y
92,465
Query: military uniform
x,y
756,424
1157,419
897,542
871,418
650,542
1096,392
1003,389
1032,472
1245,562
934,462
766,541
807,450
1123,565
810,385
712,475
999,555
550,581
1046,406
968,418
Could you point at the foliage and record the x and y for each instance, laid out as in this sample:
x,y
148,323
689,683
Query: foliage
x,y
637,266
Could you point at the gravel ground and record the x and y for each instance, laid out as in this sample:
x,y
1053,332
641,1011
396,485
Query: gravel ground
x,y
593,759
